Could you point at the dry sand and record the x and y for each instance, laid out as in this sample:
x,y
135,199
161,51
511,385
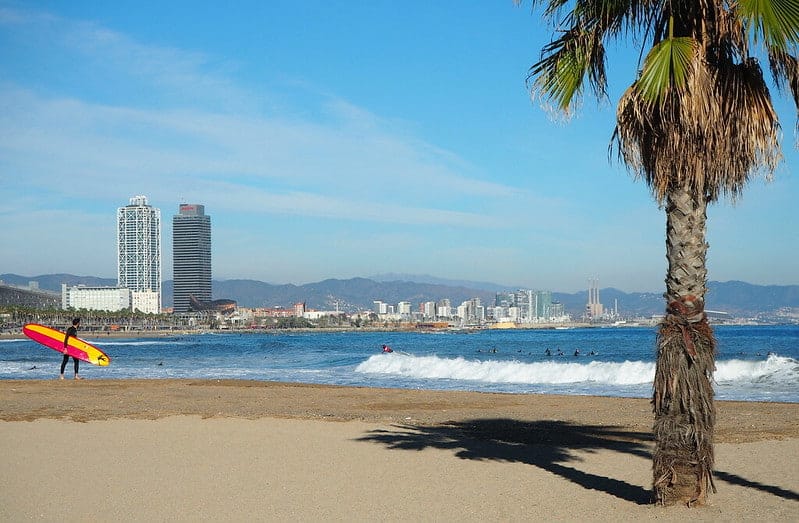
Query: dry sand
x,y
188,450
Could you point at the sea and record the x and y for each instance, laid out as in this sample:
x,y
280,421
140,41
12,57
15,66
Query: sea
x,y
754,363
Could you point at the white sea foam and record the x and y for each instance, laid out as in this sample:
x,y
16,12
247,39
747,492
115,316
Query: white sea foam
x,y
434,367
775,369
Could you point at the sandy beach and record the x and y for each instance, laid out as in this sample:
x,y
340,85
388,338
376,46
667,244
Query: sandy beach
x,y
188,450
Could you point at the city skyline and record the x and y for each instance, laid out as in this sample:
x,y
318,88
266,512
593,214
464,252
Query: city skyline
x,y
405,143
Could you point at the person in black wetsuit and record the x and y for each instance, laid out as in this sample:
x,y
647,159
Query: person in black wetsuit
x,y
72,331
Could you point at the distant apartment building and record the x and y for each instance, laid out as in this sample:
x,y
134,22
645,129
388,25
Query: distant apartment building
x,y
526,302
109,299
505,299
191,256
471,311
543,307
428,310
139,254
527,306
381,307
444,308
558,312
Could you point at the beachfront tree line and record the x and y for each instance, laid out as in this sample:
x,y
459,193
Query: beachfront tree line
x,y
12,318
697,122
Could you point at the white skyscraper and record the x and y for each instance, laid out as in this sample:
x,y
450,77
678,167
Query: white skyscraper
x,y
139,253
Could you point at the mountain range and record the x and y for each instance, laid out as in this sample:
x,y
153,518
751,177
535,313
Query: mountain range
x,y
740,299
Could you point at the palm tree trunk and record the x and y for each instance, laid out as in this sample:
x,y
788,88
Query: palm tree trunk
x,y
683,393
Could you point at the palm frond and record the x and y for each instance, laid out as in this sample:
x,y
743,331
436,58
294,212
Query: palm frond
x,y
666,66
775,22
578,54
553,7
785,69
713,136
560,74
748,141
612,16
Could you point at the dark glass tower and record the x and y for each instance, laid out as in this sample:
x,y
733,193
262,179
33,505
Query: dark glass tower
x,y
191,256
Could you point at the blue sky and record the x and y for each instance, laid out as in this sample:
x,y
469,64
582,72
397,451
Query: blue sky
x,y
335,140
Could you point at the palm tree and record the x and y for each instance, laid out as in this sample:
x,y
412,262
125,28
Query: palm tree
x,y
696,124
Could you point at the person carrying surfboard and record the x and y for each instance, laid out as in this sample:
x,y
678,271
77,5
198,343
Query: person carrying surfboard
x,y
72,331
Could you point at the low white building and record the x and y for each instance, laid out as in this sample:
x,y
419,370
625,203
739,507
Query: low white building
x,y
110,299
147,302
429,310
315,315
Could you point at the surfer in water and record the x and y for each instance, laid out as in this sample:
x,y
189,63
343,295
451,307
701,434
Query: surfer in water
x,y
387,349
72,331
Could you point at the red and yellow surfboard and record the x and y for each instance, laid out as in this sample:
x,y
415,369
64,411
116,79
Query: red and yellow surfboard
x,y
76,347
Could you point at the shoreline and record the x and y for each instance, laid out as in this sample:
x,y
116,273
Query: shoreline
x,y
161,333
29,400
93,336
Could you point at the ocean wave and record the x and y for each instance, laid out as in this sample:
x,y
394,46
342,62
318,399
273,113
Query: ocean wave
x,y
434,367
775,369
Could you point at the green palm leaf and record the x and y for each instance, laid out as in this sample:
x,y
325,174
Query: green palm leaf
x,y
776,22
559,76
666,65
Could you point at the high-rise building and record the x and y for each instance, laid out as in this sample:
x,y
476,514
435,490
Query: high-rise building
x,y
543,305
139,253
191,256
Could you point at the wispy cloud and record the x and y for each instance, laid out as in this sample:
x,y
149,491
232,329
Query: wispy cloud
x,y
171,141
52,140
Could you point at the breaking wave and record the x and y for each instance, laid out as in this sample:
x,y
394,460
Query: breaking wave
x,y
774,369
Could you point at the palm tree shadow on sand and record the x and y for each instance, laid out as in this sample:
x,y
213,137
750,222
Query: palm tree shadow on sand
x,y
544,444
548,445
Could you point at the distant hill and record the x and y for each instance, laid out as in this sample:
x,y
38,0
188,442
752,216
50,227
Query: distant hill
x,y
735,297
740,298
348,295
425,278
